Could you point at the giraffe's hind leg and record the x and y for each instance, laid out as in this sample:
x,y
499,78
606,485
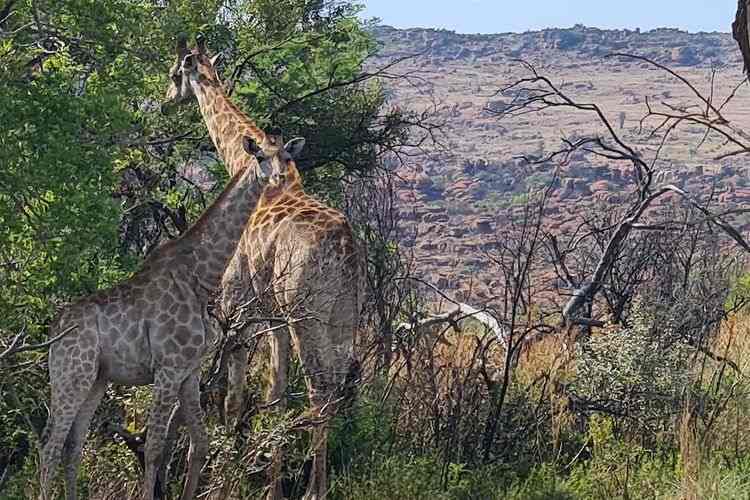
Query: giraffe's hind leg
x,y
175,422
72,377
325,353
324,346
190,407
167,385
77,437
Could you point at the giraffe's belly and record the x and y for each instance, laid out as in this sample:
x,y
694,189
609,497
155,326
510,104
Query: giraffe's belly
x,y
126,357
120,374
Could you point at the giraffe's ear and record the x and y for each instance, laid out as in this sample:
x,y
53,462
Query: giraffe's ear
x,y
181,45
294,147
217,59
188,63
250,146
200,42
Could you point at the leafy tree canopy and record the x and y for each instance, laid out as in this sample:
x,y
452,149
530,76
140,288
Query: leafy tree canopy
x,y
93,176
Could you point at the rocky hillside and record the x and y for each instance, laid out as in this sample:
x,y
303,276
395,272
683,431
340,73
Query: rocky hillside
x,y
455,200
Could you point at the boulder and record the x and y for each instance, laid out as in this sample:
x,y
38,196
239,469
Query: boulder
x,y
484,225
436,218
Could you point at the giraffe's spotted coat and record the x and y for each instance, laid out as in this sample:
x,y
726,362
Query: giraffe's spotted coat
x,y
296,254
149,329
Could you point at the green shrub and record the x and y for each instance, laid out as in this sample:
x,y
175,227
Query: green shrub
x,y
634,371
402,477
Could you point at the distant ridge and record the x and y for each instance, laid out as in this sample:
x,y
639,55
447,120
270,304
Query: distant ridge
x,y
551,28
665,45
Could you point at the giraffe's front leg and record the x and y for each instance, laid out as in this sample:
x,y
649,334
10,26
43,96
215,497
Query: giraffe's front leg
x,y
192,413
279,344
237,365
167,384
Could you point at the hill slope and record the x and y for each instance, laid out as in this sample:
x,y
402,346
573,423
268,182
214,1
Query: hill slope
x,y
454,202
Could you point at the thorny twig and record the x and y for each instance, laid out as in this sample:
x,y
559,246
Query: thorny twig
x,y
18,344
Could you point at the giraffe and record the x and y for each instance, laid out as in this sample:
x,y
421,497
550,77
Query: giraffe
x,y
298,257
152,328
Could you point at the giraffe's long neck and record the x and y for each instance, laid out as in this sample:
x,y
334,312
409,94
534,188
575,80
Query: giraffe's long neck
x,y
211,242
226,124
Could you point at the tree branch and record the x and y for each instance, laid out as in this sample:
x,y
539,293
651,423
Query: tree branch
x,y
18,344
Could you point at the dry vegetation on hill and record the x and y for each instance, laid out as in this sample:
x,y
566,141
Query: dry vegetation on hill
x,y
455,199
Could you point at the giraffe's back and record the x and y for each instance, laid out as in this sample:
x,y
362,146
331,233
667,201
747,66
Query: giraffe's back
x,y
150,320
300,248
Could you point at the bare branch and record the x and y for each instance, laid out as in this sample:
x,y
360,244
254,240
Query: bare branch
x,y
459,312
699,95
18,344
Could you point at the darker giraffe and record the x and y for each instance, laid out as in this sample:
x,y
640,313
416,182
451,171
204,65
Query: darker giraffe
x,y
151,329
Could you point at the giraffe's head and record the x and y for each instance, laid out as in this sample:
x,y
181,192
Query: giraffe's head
x,y
275,156
190,66
193,74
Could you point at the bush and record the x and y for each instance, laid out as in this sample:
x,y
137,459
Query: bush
x,y
636,372
421,478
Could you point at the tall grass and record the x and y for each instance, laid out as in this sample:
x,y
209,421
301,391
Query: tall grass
x,y
701,452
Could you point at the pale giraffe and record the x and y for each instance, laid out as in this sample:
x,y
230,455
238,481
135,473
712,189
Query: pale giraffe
x,y
299,257
151,329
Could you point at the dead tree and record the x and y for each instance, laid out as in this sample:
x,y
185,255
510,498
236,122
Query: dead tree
x,y
517,261
371,206
537,93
